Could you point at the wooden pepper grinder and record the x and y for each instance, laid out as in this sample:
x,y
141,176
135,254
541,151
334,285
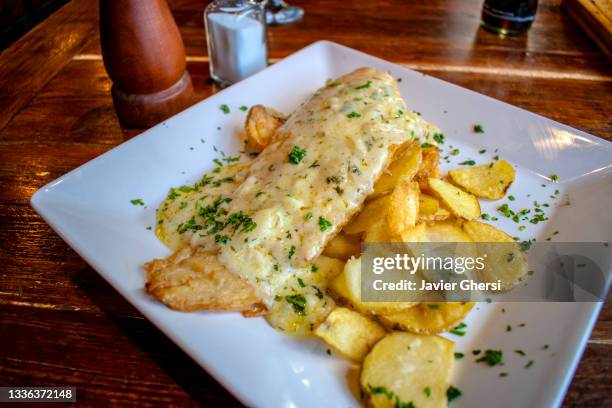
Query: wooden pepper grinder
x,y
145,58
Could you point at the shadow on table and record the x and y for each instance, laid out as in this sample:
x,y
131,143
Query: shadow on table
x,y
195,381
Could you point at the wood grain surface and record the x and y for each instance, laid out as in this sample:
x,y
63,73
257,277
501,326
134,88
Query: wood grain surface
x,y
62,324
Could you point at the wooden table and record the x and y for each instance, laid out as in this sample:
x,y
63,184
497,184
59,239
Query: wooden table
x,y
61,324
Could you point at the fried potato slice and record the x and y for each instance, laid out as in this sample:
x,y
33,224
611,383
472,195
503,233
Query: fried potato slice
x,y
379,232
430,166
192,280
403,207
427,204
405,165
505,261
440,215
260,127
372,212
430,210
350,332
347,287
343,246
427,317
445,231
487,181
459,202
408,370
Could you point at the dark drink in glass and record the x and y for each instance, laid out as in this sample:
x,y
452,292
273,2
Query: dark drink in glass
x,y
508,17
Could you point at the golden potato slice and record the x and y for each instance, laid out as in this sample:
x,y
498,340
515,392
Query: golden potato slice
x,y
430,166
504,262
445,231
487,181
347,287
379,232
408,370
260,127
403,207
404,167
350,332
481,232
459,202
414,234
440,215
373,212
343,246
428,205
427,318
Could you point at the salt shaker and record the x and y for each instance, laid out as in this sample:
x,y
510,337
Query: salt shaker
x,y
236,39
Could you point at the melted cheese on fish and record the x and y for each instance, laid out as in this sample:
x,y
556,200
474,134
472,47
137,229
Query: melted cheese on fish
x,y
301,190
270,218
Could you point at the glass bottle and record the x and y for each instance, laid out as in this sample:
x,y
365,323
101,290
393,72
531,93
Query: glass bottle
x,y
236,39
508,17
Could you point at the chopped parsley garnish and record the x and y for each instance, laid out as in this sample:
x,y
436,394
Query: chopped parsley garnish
x,y
218,162
554,178
298,302
333,84
381,390
459,330
455,152
492,358
301,283
137,201
333,179
508,328
496,157
324,224
511,198
475,352
296,155
291,251
459,356
482,151
433,305
452,393
520,353
231,159
221,239
244,108
218,183
484,216
467,163
364,86
308,216
259,193
427,391
314,164
225,109
478,129
172,194
314,268
353,115
426,145
529,364
149,228
439,138
503,374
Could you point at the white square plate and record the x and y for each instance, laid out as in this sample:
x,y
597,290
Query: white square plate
x,y
90,209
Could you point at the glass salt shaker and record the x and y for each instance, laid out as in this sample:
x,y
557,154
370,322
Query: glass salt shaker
x,y
236,39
